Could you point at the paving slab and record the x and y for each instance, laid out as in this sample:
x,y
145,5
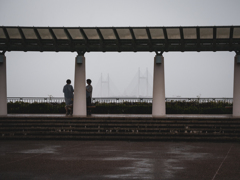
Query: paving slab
x,y
120,160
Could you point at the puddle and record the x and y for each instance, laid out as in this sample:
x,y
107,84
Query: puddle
x,y
184,153
140,168
44,150
179,155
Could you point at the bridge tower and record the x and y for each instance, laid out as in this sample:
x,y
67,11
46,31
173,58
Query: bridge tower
x,y
104,82
145,78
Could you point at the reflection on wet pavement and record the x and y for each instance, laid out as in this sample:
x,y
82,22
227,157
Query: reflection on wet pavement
x,y
140,168
179,155
43,150
112,160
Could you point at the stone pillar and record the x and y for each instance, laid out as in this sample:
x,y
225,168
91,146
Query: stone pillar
x,y
236,86
3,86
79,101
158,102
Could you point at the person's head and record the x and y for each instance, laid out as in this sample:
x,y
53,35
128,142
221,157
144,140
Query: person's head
x,y
89,81
68,81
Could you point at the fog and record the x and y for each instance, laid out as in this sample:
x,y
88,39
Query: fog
x,y
187,74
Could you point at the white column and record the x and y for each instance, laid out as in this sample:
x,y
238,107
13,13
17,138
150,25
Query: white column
x,y
236,86
79,101
158,103
3,86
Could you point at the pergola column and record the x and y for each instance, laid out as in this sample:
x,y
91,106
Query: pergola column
x,y
79,101
158,102
236,86
3,86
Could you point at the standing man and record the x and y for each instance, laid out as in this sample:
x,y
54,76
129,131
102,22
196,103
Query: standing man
x,y
68,95
89,90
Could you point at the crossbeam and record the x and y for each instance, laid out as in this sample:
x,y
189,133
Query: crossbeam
x,y
120,39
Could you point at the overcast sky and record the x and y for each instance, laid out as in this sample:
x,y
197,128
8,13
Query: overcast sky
x,y
188,74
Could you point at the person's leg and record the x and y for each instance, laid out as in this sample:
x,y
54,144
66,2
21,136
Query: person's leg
x,y
89,104
89,101
70,108
66,108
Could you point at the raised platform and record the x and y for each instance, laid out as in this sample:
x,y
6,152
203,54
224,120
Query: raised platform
x,y
120,127
168,116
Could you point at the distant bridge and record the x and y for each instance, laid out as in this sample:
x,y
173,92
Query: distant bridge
x,y
141,85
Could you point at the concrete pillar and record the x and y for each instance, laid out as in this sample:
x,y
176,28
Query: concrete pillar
x,y
79,101
236,86
158,102
3,86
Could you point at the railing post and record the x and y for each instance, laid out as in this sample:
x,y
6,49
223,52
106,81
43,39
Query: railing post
x,y
3,85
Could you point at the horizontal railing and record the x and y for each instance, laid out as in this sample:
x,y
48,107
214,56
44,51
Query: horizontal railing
x,y
36,99
115,99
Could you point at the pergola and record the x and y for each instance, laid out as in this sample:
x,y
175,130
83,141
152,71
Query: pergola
x,y
120,39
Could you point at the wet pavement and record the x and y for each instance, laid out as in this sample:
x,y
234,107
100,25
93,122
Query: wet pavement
x,y
120,160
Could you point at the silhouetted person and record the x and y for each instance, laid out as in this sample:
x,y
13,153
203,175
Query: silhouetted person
x,y
68,95
89,90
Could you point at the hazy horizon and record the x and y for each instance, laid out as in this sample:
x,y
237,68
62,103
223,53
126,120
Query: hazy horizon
x,y
187,74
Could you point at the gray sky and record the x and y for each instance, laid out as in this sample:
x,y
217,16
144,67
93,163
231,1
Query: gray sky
x,y
188,74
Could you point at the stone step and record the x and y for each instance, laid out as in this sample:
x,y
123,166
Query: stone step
x,y
120,128
119,137
191,128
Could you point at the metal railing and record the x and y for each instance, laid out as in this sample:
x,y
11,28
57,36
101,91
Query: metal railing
x,y
115,99
200,100
36,99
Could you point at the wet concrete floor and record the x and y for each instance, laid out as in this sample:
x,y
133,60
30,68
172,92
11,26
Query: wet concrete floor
x,y
120,160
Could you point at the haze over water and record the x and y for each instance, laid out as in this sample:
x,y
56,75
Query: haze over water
x,y
188,74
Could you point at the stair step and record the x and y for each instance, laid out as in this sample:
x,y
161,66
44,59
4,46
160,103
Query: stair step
x,y
119,128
